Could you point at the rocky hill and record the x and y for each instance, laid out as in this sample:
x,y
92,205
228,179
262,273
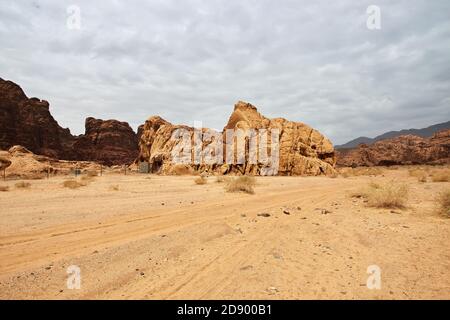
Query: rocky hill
x,y
302,150
403,150
424,133
28,122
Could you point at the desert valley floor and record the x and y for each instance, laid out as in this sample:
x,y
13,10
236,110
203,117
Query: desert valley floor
x,y
164,237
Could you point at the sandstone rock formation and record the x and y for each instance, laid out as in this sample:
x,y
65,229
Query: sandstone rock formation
x,y
302,150
110,142
28,122
401,150
25,164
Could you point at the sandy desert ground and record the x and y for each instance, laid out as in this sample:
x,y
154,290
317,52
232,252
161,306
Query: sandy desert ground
x,y
159,237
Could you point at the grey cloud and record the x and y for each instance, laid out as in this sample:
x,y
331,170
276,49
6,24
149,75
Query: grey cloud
x,y
310,61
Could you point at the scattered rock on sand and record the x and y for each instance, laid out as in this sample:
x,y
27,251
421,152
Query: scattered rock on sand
x,y
265,215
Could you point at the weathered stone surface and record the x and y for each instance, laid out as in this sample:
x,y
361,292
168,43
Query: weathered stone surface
x,y
402,150
28,122
110,142
302,150
27,165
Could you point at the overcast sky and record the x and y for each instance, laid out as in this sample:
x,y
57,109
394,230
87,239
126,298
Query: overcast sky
x,y
309,61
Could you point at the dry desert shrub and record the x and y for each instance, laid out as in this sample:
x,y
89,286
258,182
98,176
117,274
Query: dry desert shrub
x,y
389,195
22,185
440,175
4,188
419,173
201,180
241,184
73,184
443,201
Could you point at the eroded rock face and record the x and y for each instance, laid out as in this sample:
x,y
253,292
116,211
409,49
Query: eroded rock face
x,y
110,142
402,150
28,122
302,150
24,164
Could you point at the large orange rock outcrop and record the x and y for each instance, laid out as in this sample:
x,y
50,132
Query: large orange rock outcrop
x,y
28,122
302,150
401,150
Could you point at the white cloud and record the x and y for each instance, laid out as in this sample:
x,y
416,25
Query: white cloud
x,y
310,61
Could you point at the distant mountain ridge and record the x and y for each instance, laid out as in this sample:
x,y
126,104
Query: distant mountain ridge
x,y
423,133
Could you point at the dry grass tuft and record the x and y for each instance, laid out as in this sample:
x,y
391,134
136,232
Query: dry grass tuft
x,y
419,173
443,201
22,185
241,184
388,195
4,188
201,180
73,184
440,175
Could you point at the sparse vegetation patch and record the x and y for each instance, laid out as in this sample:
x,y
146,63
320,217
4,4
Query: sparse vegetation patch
x,y
389,195
241,184
22,185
